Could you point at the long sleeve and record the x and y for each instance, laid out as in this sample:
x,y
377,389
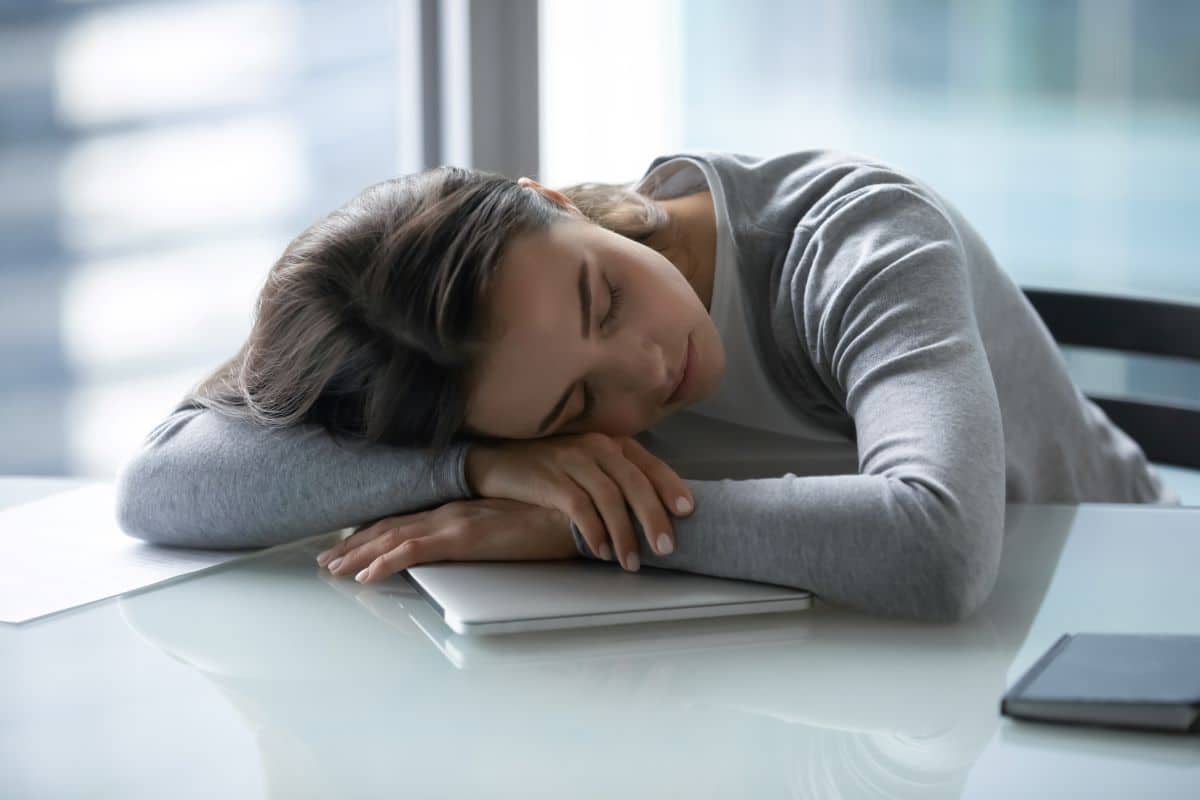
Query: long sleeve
x,y
203,479
877,306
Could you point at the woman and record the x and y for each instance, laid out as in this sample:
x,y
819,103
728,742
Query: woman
x,y
466,360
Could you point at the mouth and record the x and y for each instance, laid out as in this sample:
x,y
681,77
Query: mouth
x,y
677,391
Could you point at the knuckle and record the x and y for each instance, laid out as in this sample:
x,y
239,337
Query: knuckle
x,y
461,528
627,445
410,547
370,532
455,509
633,449
640,480
609,493
577,502
600,442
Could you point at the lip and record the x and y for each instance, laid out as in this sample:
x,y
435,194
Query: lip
x,y
681,388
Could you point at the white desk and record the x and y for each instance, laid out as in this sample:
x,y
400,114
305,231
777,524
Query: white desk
x,y
268,678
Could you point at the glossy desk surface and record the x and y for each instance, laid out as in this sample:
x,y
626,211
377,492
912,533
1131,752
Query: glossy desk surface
x,y
268,678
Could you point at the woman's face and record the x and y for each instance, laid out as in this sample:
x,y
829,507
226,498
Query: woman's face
x,y
588,317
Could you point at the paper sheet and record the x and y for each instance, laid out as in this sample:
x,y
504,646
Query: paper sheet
x,y
66,550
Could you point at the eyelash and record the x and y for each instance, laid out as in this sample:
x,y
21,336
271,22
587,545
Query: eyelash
x,y
614,308
614,294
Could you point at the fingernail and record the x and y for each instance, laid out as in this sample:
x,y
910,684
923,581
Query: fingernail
x,y
322,558
632,563
606,552
359,577
333,565
664,544
682,505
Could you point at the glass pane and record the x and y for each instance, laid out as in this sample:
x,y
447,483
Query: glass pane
x,y
1068,132
156,159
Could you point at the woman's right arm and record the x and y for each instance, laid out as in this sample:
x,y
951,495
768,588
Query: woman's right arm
x,y
204,479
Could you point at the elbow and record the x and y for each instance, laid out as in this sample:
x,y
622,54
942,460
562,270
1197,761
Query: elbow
x,y
953,554
957,595
141,505
132,502
962,574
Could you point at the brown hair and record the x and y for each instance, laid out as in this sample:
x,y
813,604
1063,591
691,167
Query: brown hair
x,y
374,317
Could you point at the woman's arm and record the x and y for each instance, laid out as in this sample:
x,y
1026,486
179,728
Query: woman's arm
x,y
882,309
204,479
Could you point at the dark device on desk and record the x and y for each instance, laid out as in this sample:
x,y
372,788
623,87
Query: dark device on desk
x,y
1138,681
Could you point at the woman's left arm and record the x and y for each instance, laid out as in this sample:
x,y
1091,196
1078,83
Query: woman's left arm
x,y
882,310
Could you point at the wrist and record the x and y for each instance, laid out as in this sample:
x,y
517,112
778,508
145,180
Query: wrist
x,y
474,468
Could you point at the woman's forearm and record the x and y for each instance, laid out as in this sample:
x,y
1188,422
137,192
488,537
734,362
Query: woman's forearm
x,y
895,547
203,479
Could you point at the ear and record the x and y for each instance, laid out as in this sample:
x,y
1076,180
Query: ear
x,y
555,196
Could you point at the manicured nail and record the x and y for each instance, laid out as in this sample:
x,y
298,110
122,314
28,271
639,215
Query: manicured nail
x,y
333,565
664,544
632,563
359,577
683,505
606,552
322,558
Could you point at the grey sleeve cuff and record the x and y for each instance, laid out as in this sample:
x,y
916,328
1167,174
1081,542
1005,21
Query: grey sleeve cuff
x,y
452,477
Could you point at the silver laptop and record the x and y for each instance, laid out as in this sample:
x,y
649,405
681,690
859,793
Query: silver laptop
x,y
514,596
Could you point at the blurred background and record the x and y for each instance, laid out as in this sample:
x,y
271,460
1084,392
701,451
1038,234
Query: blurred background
x,y
156,157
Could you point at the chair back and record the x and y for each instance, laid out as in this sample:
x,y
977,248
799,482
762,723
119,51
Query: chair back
x,y
1169,433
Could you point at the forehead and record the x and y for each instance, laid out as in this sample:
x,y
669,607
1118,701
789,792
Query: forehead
x,y
536,281
534,315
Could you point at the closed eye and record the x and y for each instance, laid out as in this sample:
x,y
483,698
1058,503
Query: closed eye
x,y
614,305
614,309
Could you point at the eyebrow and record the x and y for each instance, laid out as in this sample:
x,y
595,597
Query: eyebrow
x,y
585,315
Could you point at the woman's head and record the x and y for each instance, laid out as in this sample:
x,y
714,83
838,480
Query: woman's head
x,y
590,332
448,302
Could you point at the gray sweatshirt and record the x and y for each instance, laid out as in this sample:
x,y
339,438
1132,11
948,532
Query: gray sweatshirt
x,y
876,310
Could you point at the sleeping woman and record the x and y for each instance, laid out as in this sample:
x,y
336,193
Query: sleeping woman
x,y
805,370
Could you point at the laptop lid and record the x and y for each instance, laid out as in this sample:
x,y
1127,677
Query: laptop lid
x,y
512,596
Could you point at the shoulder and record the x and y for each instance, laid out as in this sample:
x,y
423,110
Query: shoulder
x,y
801,189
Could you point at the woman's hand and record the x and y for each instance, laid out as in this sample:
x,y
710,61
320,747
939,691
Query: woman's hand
x,y
588,477
484,529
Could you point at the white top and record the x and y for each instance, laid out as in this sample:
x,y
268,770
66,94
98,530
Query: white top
x,y
748,428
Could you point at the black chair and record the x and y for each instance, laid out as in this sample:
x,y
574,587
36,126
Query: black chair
x,y
1169,433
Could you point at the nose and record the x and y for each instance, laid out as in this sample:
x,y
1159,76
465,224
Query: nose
x,y
641,364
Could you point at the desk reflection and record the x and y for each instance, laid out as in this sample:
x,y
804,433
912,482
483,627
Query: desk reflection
x,y
364,690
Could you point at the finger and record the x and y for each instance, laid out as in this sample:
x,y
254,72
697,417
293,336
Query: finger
x,y
606,496
670,487
364,533
387,539
409,553
576,503
645,502
361,534
327,543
